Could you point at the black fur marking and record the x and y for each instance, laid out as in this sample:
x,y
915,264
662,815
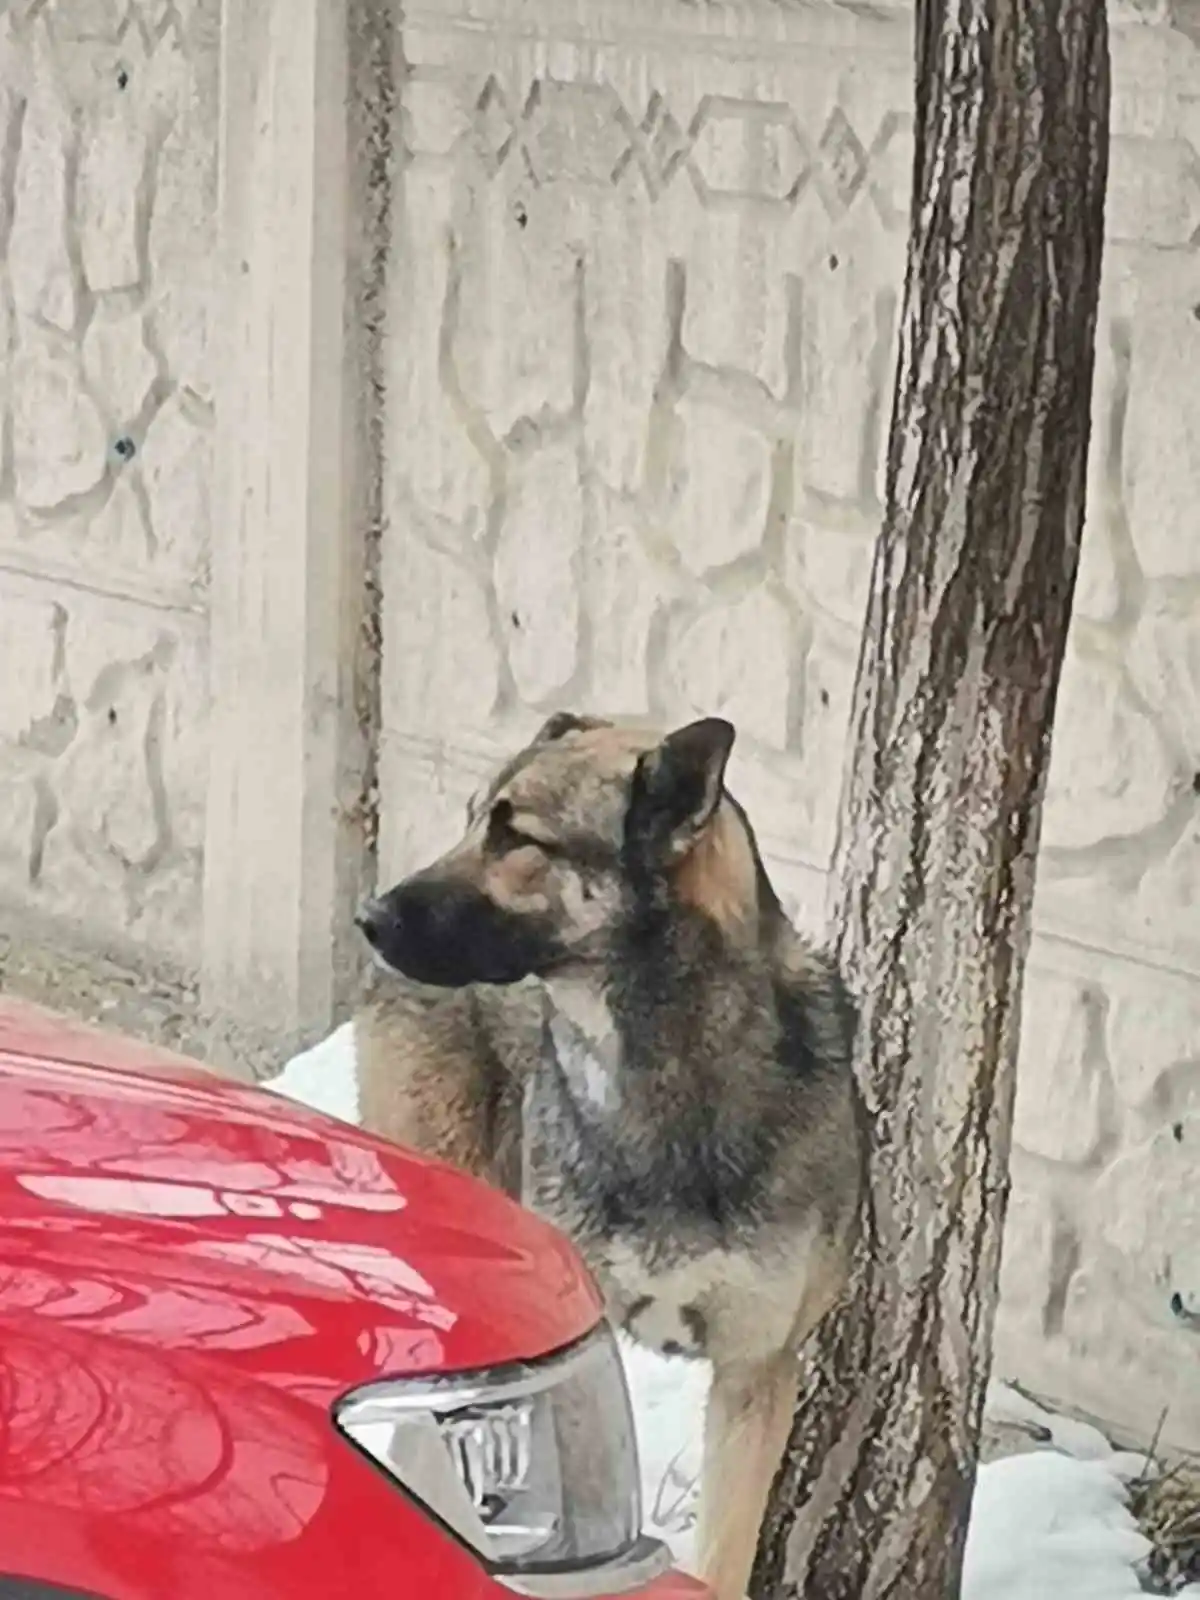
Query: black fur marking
x,y
696,1324
589,854
676,788
450,934
641,1304
798,1052
680,1146
564,722
704,1168
508,772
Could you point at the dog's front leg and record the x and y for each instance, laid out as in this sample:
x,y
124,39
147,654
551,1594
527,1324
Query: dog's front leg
x,y
750,1409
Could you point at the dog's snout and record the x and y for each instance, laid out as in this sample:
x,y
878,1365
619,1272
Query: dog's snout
x,y
442,930
372,922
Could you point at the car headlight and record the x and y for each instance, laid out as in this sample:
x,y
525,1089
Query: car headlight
x,y
534,1466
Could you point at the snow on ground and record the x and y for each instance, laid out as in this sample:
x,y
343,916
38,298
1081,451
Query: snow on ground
x,y
1048,1525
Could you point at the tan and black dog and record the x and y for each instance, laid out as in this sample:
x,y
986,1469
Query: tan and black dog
x,y
697,1134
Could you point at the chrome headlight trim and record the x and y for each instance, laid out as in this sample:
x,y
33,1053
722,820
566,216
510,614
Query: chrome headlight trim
x,y
532,1466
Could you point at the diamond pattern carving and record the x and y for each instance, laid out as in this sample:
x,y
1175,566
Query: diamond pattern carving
x,y
733,150
108,21
746,150
574,131
843,161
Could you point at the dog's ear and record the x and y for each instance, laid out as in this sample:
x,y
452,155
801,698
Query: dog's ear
x,y
564,722
677,788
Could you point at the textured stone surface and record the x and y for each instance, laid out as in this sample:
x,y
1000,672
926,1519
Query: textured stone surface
x,y
1164,659
1027,1259
735,659
1110,773
104,543
119,364
112,161
1149,1205
176,473
60,444
1154,1045
536,573
720,487
43,279
1163,438
830,568
1063,1110
828,685
31,633
622,589
1098,585
448,670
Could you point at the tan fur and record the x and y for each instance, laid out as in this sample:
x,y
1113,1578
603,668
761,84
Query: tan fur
x,y
746,1426
424,1081
717,876
751,1405
517,881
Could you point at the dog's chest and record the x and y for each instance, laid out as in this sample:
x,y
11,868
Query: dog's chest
x,y
588,1070
606,1161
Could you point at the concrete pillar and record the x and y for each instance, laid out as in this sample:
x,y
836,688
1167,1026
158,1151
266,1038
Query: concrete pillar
x,y
284,842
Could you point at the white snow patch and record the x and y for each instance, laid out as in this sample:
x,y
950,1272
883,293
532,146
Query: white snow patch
x,y
323,1078
1048,1525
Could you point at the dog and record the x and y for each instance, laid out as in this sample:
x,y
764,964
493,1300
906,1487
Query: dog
x,y
605,947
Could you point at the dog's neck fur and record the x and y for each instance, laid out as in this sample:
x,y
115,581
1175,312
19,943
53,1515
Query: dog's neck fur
x,y
605,1043
714,923
585,1041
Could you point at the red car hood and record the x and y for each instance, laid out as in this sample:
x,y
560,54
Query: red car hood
x,y
147,1201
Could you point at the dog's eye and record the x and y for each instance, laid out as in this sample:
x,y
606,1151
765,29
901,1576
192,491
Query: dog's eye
x,y
502,836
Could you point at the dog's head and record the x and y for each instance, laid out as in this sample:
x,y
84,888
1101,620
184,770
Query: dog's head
x,y
587,819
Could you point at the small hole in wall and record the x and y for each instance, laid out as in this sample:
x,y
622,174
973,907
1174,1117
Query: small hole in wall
x,y
1196,782
824,697
112,716
125,448
1196,311
520,215
122,78
834,263
1177,1132
515,620
1176,1304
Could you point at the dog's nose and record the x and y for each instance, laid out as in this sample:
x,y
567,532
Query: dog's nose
x,y
371,921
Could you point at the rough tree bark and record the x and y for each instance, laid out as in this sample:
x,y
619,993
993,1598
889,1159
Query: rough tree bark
x,y
967,619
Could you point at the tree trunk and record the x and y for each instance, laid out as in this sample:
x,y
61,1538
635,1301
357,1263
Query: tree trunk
x,y
967,619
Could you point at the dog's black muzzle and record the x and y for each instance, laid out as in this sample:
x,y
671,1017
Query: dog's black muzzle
x,y
440,932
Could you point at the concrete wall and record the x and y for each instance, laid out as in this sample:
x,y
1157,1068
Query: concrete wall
x,y
645,278
590,413
108,143
181,750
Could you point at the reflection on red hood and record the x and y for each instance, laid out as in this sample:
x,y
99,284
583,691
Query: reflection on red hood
x,y
179,1210
191,1271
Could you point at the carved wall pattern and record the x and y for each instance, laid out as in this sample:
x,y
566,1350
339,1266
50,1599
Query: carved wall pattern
x,y
108,129
644,291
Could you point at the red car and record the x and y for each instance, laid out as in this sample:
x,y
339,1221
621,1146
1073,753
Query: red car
x,y
250,1353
